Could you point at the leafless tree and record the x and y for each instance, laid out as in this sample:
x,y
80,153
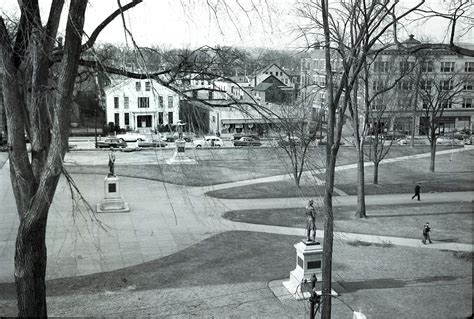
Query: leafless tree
x,y
349,31
438,92
38,83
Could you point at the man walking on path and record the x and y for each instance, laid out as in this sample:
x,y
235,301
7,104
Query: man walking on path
x,y
426,233
417,191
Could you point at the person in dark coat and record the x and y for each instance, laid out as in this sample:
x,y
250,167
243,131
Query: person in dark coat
x,y
426,233
417,191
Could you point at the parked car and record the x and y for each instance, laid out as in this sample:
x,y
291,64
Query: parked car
x,y
246,141
448,140
153,143
289,140
111,142
238,136
419,140
131,137
395,135
173,138
209,141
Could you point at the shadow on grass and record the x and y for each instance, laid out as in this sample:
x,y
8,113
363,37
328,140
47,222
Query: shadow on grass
x,y
419,214
389,283
226,258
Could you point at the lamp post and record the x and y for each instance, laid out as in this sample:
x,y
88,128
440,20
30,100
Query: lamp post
x,y
314,299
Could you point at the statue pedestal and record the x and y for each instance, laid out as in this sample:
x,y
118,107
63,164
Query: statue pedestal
x,y
113,202
178,156
309,259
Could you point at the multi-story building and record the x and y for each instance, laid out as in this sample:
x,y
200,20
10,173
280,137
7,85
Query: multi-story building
x,y
429,83
402,106
132,104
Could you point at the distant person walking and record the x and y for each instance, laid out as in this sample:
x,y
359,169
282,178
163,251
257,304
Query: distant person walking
x,y
426,233
417,191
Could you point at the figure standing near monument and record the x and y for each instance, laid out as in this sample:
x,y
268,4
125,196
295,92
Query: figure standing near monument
x,y
111,162
311,220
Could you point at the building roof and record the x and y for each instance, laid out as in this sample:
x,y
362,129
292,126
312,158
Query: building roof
x,y
263,87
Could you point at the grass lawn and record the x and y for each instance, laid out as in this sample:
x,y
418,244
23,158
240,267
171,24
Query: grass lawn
x,y
380,281
225,165
450,222
454,172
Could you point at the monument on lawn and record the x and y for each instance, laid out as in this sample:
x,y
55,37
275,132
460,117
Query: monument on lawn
x,y
309,256
178,156
113,201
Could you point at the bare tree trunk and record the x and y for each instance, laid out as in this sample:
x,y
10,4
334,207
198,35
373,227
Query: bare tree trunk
x,y
376,172
328,239
360,184
30,269
433,154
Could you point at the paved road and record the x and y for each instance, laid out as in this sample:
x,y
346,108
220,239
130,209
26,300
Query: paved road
x,y
157,226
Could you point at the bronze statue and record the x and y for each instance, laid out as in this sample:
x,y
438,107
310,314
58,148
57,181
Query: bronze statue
x,y
310,221
180,129
111,162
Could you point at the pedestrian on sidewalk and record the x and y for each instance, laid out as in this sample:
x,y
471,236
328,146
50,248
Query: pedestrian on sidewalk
x,y
426,233
417,191
311,221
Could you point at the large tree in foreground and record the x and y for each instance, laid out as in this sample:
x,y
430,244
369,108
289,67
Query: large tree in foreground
x,y
38,82
349,30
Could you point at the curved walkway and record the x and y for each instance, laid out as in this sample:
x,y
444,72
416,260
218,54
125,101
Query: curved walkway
x,y
158,226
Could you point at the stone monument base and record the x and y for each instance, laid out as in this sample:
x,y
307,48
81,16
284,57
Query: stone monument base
x,y
113,202
308,262
117,205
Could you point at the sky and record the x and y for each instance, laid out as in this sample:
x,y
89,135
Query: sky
x,y
192,23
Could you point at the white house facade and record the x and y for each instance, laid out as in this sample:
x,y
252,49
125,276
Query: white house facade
x,y
133,104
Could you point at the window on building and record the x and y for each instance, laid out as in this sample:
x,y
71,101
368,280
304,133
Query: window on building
x,y
170,117
126,102
160,118
160,101
377,86
138,86
425,104
271,72
210,94
377,104
143,102
406,66
170,101
195,94
426,85
447,66
468,86
381,66
405,85
147,86
213,119
427,66
116,118
446,104
116,102
127,118
467,103
446,85
468,66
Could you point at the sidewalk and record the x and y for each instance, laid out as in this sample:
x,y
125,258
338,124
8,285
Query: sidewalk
x,y
157,226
